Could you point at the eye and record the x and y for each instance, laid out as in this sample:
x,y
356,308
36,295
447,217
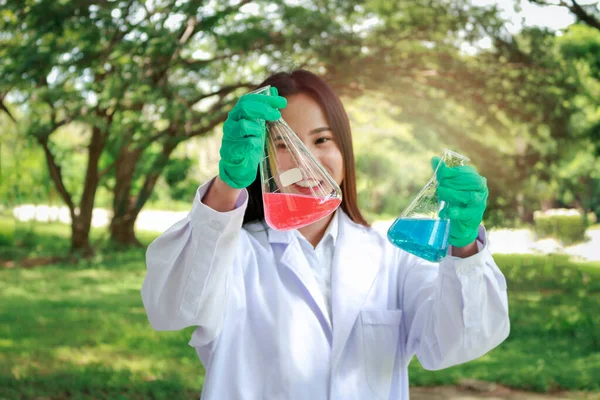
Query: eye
x,y
322,140
281,145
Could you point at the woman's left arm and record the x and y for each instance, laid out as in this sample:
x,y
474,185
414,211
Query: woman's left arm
x,y
457,311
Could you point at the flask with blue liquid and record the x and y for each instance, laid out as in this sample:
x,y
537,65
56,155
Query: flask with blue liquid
x,y
419,229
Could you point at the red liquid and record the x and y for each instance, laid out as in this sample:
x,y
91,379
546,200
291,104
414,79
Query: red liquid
x,y
285,211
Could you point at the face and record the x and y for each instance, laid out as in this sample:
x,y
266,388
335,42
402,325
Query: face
x,y
308,121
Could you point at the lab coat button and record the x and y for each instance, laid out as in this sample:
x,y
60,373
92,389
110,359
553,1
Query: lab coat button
x,y
216,225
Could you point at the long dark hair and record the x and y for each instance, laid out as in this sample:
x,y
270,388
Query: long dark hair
x,y
302,81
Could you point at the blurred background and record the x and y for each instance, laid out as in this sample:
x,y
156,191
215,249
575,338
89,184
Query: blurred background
x,y
110,118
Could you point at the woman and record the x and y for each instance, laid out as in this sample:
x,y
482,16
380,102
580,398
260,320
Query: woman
x,y
332,310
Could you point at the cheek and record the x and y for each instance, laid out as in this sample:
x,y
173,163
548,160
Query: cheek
x,y
284,157
341,168
335,163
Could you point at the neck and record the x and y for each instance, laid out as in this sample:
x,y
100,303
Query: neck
x,y
315,231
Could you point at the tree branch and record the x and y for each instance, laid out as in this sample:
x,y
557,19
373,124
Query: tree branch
x,y
56,174
5,109
583,15
202,63
154,138
224,91
575,9
208,127
547,3
95,148
155,172
102,173
188,32
209,21
171,129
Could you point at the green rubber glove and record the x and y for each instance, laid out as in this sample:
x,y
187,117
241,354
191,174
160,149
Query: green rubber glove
x,y
244,136
465,193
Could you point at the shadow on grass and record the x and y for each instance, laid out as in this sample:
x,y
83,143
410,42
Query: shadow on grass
x,y
25,242
94,382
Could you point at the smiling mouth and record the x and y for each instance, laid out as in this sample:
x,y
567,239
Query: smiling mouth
x,y
308,183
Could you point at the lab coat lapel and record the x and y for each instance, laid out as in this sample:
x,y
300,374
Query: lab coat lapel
x,y
294,259
355,265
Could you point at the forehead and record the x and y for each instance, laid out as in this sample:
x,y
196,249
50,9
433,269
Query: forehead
x,y
303,114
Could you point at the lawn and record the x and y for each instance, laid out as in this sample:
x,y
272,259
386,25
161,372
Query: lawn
x,y
79,331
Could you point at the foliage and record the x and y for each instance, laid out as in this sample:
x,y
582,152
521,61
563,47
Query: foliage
x,y
578,170
523,109
391,163
569,226
149,85
142,79
23,172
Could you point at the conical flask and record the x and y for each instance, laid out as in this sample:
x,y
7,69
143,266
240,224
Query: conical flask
x,y
419,229
297,190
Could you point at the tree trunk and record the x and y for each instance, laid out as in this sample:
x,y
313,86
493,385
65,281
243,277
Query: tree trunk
x,y
80,236
524,212
122,230
81,220
123,220
127,207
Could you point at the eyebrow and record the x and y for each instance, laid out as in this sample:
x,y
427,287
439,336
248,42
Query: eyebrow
x,y
319,130
313,132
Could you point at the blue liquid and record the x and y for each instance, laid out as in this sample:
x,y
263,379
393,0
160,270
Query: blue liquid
x,y
425,238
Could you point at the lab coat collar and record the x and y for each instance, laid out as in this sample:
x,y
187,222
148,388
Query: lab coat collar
x,y
294,259
287,236
333,228
330,232
276,236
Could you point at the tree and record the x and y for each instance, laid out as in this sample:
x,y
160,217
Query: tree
x,y
511,107
579,170
144,77
467,101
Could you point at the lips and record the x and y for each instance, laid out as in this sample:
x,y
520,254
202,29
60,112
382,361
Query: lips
x,y
308,183
308,186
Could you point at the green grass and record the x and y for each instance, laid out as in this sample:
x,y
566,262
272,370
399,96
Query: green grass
x,y
79,331
555,329
22,240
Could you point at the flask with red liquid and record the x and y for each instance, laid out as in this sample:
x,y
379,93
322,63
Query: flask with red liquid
x,y
297,190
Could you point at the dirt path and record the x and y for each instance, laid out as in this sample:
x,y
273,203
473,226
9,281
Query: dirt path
x,y
490,392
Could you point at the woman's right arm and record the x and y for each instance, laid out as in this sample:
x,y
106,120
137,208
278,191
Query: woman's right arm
x,y
187,266
220,196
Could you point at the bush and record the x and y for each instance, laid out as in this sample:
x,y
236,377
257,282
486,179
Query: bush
x,y
566,225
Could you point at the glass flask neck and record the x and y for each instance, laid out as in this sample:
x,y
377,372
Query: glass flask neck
x,y
453,159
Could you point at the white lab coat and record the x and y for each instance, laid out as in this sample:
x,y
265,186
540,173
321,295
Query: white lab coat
x,y
263,330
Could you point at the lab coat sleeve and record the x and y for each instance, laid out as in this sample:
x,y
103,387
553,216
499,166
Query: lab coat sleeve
x,y
455,311
186,282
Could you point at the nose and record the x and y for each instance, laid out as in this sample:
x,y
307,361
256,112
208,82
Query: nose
x,y
314,150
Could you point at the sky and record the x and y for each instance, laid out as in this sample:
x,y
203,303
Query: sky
x,y
553,17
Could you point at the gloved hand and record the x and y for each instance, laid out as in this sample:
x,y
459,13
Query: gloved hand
x,y
465,193
244,136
